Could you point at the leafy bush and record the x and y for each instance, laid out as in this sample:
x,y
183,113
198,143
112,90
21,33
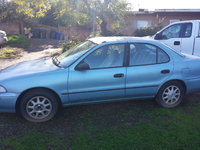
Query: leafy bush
x,y
148,31
69,44
9,53
17,40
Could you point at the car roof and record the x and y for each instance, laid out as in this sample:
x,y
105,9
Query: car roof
x,y
99,40
1,31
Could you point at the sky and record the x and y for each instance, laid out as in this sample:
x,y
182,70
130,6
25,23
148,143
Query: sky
x,y
165,4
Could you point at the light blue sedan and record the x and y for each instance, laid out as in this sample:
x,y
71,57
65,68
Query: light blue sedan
x,y
100,69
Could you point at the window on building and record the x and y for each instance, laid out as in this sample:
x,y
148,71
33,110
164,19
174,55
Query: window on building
x,y
143,24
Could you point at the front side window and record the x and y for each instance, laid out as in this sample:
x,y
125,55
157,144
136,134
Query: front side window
x,y
106,57
146,54
171,32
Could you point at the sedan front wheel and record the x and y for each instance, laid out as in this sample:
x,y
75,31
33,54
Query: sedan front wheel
x,y
38,105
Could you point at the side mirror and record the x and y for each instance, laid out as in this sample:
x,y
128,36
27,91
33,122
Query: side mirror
x,y
158,36
82,66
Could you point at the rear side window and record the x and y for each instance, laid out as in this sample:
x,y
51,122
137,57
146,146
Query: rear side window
x,y
162,56
146,54
142,54
199,30
186,30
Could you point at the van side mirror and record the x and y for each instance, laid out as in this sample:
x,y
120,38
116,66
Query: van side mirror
x,y
158,36
82,66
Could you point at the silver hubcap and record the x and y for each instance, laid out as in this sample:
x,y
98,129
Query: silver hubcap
x,y
39,107
171,95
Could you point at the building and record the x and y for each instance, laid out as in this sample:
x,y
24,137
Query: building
x,y
159,17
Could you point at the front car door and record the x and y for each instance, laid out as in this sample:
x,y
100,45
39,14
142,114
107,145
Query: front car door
x,y
105,80
171,36
149,66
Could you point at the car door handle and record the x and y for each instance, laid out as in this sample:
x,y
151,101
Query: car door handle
x,y
119,75
177,42
165,71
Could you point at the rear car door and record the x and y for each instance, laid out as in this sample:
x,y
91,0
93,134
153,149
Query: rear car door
x,y
187,38
149,67
105,80
197,41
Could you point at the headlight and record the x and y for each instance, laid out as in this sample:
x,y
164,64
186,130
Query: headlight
x,y
2,89
1,35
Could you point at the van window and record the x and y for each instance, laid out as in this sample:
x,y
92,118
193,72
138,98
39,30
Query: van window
x,y
187,30
171,32
199,30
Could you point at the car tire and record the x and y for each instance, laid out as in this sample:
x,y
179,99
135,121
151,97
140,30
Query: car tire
x,y
38,105
170,94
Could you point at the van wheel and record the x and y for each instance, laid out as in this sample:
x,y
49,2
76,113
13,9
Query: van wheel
x,y
170,94
38,105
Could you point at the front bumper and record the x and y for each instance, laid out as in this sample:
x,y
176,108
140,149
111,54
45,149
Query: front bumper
x,y
8,102
3,40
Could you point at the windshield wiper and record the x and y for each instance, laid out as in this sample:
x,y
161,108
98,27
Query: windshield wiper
x,y
56,61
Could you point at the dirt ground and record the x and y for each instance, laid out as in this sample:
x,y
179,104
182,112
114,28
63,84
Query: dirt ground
x,y
38,48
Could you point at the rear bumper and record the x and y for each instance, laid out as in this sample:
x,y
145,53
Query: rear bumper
x,y
193,85
8,102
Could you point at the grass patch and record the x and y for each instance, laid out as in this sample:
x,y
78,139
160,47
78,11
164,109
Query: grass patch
x,y
34,140
17,40
155,128
8,52
159,129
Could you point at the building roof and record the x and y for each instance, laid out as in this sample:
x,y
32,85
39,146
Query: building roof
x,y
177,10
145,11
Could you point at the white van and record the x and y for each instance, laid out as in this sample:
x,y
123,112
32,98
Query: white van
x,y
182,36
3,38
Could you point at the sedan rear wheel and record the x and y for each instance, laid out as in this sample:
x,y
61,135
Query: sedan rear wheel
x,y
38,105
170,94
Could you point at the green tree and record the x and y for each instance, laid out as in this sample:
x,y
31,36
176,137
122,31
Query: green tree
x,y
32,8
70,12
109,11
87,12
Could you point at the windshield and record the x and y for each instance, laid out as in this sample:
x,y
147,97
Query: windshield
x,y
71,55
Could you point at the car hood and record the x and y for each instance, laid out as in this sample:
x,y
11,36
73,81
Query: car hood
x,y
28,67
